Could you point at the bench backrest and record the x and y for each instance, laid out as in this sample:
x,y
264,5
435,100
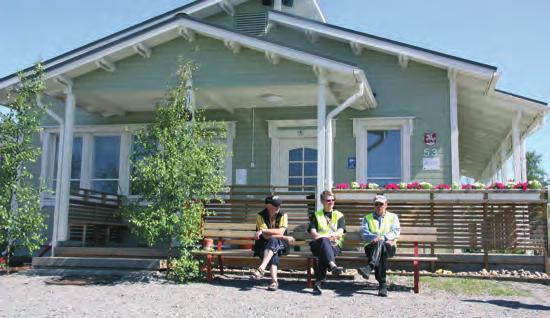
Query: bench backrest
x,y
243,233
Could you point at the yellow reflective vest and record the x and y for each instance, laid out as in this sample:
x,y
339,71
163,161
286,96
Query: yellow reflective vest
x,y
323,227
387,223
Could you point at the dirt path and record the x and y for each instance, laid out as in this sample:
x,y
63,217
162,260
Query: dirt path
x,y
32,296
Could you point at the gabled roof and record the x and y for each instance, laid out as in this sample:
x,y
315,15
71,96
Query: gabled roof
x,y
193,8
86,56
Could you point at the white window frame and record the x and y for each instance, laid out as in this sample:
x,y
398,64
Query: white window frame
x,y
87,132
361,126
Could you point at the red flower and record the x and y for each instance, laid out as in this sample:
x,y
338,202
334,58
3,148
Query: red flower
x,y
521,185
467,186
342,186
391,186
497,185
414,185
363,185
443,187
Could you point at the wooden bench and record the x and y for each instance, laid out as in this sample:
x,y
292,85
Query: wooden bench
x,y
224,234
96,212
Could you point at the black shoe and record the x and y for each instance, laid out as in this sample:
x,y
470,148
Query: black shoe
x,y
317,289
337,271
365,271
383,291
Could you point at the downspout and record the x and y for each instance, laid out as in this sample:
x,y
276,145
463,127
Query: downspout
x,y
61,123
329,182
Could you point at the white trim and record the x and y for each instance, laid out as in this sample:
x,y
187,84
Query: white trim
x,y
321,130
360,129
383,45
453,99
516,146
321,14
87,160
124,163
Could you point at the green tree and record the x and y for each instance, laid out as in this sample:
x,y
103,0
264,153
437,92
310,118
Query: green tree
x,y
21,221
534,168
178,165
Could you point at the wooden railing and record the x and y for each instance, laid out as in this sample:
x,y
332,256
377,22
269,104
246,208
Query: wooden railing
x,y
95,216
485,225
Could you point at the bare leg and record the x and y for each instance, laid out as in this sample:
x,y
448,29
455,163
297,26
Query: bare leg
x,y
268,254
273,273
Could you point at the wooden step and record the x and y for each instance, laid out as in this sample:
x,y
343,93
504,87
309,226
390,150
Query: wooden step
x,y
96,262
111,252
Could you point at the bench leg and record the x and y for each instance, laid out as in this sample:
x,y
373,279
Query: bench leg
x,y
416,268
308,271
209,268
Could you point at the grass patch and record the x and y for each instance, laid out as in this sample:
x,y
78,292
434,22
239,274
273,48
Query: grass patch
x,y
473,287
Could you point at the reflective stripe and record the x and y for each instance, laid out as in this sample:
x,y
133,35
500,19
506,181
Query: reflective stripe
x,y
323,228
387,223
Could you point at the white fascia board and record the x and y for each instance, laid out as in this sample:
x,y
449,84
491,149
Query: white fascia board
x,y
265,46
384,46
321,14
225,35
527,104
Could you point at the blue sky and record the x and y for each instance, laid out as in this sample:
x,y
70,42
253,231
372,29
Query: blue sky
x,y
510,34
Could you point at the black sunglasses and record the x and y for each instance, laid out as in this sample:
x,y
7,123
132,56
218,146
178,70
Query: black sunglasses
x,y
378,204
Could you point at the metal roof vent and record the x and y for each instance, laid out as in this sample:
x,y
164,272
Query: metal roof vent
x,y
253,23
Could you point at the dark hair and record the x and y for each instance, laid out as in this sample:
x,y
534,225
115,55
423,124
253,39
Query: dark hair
x,y
327,193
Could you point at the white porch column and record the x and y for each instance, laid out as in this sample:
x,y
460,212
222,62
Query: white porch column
x,y
523,160
67,153
455,159
516,147
503,164
321,115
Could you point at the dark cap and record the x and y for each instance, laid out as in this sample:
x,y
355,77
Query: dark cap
x,y
273,200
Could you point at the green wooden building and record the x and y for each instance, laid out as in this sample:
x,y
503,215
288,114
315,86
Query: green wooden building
x,y
306,103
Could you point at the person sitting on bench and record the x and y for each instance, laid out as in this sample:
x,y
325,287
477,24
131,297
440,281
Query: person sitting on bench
x,y
271,241
327,228
380,230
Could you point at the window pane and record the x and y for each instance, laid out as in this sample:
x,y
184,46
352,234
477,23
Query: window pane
x,y
310,169
106,157
295,170
76,162
383,182
295,154
384,154
105,186
310,154
310,181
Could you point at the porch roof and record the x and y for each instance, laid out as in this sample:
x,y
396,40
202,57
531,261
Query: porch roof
x,y
181,25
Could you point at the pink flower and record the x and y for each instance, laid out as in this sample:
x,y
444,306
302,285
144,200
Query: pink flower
x,y
342,186
391,186
467,186
363,185
443,187
497,185
414,185
521,185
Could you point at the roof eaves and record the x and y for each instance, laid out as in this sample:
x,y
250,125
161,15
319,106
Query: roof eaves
x,y
386,40
113,36
522,97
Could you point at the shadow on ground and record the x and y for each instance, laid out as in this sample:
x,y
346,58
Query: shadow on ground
x,y
340,288
510,304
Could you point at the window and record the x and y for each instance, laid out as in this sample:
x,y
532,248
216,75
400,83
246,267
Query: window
x,y
383,147
384,156
302,169
76,163
105,164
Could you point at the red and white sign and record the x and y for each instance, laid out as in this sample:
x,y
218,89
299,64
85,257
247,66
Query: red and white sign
x,y
430,138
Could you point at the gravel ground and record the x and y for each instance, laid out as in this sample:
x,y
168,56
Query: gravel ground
x,y
35,296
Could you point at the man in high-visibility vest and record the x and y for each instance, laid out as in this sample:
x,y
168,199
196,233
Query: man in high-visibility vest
x,y
327,228
380,230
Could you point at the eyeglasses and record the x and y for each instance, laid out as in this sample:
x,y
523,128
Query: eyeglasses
x,y
329,200
378,204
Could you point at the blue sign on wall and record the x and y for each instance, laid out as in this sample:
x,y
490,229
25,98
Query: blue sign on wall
x,y
351,163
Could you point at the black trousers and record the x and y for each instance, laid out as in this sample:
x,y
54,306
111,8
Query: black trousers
x,y
275,246
378,254
326,252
